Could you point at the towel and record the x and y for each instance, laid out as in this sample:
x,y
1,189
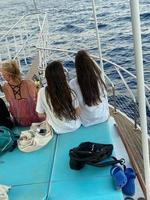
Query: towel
x,y
3,192
35,138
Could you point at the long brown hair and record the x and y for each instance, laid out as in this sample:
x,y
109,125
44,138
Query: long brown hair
x,y
58,91
89,78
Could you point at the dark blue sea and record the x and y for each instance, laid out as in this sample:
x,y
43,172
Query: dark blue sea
x,y
71,27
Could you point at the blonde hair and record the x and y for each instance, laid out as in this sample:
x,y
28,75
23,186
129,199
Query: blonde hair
x,y
11,67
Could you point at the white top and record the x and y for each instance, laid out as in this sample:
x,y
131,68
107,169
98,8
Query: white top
x,y
59,126
91,115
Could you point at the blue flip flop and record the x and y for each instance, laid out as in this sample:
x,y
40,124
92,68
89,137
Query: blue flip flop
x,y
128,198
129,188
118,176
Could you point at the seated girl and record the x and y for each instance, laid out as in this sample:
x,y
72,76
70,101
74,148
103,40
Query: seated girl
x,y
57,101
20,94
90,90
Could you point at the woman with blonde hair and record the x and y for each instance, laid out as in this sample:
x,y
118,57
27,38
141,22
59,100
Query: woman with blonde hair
x,y
57,101
90,90
20,94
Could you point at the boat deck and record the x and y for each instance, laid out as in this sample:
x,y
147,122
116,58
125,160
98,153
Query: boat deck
x,y
130,137
45,174
133,143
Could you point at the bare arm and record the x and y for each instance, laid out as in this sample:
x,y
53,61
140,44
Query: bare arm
x,y
42,116
78,111
39,107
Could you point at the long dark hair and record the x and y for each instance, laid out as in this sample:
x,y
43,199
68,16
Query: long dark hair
x,y
58,91
89,78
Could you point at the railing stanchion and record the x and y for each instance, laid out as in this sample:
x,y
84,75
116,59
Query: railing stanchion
x,y
98,39
114,99
135,17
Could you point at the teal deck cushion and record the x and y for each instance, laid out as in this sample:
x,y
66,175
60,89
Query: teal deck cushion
x,y
18,168
97,188
28,192
90,182
46,171
99,133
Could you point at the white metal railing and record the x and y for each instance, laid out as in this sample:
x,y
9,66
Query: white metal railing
x,y
43,41
136,30
11,28
19,42
98,38
123,69
95,57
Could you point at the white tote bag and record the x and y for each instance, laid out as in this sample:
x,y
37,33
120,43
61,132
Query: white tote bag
x,y
36,137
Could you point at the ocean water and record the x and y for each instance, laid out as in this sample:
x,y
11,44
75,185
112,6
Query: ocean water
x,y
71,27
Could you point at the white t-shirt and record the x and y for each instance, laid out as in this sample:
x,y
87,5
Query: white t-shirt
x,y
91,115
59,126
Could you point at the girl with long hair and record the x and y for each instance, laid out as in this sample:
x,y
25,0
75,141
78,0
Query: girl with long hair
x,y
90,90
57,101
20,94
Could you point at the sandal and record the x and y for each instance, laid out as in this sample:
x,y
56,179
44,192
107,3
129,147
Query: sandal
x,y
118,176
129,188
